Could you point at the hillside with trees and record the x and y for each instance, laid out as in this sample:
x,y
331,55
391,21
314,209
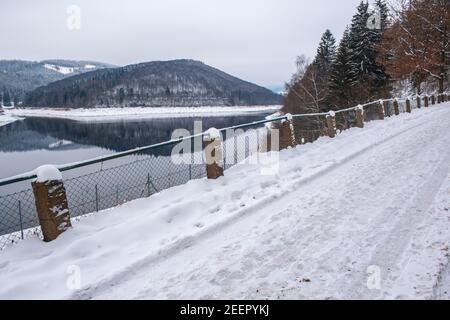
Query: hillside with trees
x,y
385,48
178,83
17,77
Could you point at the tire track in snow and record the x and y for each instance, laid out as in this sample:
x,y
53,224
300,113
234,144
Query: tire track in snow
x,y
129,273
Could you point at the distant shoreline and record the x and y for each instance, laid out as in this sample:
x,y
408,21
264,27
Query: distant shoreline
x,y
138,112
6,119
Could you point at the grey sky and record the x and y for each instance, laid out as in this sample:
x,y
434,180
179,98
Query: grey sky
x,y
256,40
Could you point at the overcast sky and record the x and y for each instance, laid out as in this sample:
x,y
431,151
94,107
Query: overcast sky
x,y
256,40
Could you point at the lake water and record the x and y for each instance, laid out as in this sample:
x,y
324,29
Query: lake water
x,y
29,143
32,142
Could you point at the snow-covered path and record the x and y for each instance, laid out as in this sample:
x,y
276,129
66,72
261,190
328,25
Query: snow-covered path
x,y
376,209
376,199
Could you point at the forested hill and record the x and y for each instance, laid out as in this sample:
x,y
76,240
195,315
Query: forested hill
x,y
177,83
17,77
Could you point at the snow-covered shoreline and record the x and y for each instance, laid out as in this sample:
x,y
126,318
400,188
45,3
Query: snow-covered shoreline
x,y
7,119
138,112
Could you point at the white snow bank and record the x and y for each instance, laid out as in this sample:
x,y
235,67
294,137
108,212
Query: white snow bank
x,y
48,173
138,112
337,207
7,119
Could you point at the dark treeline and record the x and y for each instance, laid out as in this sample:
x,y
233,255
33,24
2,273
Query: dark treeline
x,y
382,47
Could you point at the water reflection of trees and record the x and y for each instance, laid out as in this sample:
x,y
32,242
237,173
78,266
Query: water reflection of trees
x,y
38,133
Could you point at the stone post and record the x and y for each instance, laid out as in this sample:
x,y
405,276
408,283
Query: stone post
x,y
396,108
433,99
360,116
287,134
408,105
331,124
51,202
419,102
427,102
381,114
212,143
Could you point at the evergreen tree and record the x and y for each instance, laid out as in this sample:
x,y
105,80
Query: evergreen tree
x,y
16,101
341,75
369,79
362,43
383,10
308,90
381,77
326,52
6,99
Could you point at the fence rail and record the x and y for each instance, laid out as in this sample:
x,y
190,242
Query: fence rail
x,y
137,173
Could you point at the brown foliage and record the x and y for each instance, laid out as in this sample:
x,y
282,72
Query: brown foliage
x,y
416,46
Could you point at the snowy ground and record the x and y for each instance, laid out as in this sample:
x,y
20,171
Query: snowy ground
x,y
371,206
7,119
132,113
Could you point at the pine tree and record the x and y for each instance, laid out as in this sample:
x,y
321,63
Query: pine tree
x,y
342,77
381,77
6,99
326,52
369,79
383,10
362,43
308,90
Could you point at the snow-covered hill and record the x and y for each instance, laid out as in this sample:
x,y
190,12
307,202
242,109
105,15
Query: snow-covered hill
x,y
364,215
175,83
18,77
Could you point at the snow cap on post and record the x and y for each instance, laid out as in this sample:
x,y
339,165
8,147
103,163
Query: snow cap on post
x,y
271,117
288,116
331,114
211,135
48,173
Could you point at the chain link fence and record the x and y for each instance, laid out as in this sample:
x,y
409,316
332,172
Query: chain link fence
x,y
103,185
138,176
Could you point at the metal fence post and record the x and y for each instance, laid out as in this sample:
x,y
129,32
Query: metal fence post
x,y
96,198
20,219
148,185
